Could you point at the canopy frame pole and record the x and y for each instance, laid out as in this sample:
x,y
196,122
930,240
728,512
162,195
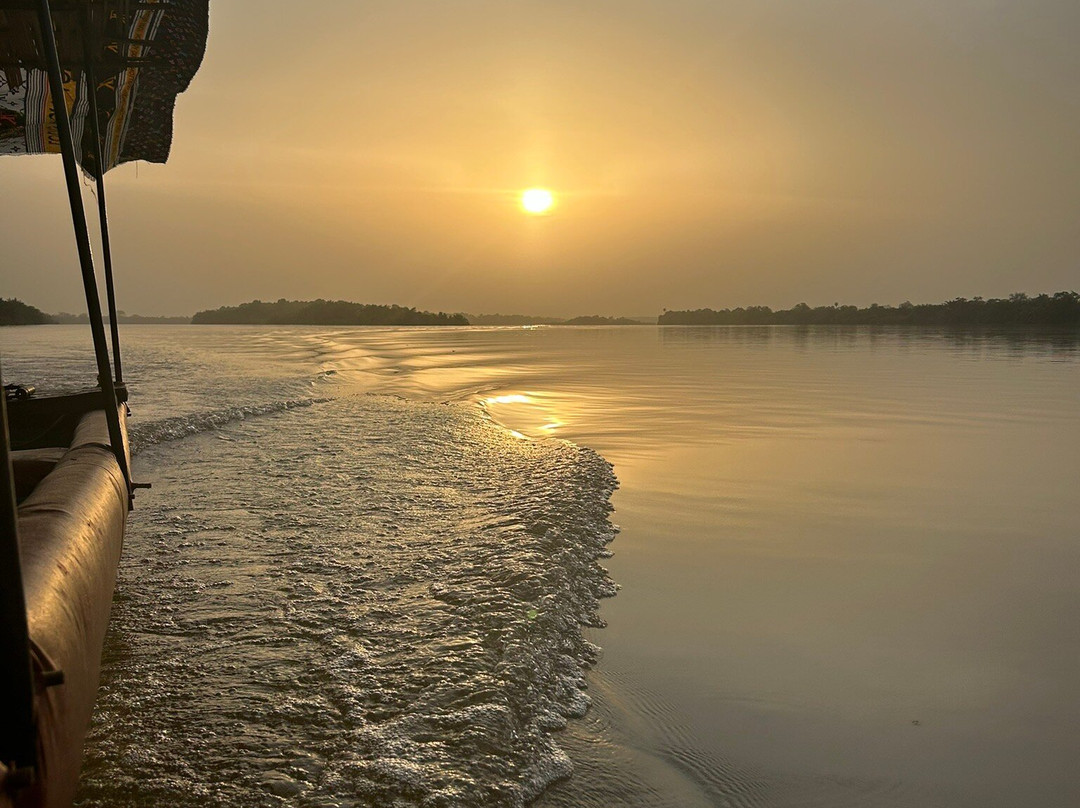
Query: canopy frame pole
x,y
103,216
82,240
18,753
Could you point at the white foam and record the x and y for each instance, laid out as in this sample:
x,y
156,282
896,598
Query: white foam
x,y
397,590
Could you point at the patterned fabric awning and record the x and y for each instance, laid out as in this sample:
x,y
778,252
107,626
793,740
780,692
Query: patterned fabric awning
x,y
142,54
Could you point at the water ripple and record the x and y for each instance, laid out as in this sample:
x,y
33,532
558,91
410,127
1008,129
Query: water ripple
x,y
373,602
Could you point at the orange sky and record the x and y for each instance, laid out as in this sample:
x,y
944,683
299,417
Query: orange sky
x,y
703,153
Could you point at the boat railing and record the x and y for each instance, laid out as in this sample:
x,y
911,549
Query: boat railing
x,y
52,421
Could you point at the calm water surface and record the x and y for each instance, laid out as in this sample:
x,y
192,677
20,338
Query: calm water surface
x,y
847,565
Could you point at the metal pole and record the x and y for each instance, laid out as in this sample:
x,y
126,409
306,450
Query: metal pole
x,y
18,732
82,238
103,218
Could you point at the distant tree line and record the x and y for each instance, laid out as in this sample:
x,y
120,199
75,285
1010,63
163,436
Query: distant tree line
x,y
15,312
595,319
322,312
526,319
512,319
66,318
1061,309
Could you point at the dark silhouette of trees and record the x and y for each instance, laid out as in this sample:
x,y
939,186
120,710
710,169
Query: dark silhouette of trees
x,y
512,319
1061,309
596,319
526,319
15,312
66,318
322,312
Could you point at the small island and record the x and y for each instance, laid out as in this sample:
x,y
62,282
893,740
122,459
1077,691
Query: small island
x,y
527,319
1060,310
322,312
122,317
512,319
598,320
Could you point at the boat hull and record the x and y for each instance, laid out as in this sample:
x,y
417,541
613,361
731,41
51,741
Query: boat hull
x,y
71,530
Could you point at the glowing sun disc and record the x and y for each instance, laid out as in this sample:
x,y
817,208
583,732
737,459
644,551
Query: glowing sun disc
x,y
537,200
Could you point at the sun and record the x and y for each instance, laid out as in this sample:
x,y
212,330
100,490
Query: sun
x,y
537,200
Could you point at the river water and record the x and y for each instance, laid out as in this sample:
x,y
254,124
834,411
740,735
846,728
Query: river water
x,y
374,567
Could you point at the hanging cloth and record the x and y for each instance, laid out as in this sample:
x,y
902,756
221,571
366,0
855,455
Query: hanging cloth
x,y
144,54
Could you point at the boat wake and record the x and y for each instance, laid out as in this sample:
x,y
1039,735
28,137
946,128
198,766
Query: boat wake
x,y
184,426
378,602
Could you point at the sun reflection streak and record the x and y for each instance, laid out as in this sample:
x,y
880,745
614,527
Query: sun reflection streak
x,y
536,420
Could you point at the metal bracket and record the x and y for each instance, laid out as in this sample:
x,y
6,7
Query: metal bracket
x,y
49,674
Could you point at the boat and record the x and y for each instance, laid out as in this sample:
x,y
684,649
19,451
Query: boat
x,y
65,462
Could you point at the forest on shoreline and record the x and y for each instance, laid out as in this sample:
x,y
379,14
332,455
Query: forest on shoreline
x,y
1061,309
66,318
341,312
322,312
15,312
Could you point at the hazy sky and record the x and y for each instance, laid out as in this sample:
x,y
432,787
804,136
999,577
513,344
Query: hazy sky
x,y
702,154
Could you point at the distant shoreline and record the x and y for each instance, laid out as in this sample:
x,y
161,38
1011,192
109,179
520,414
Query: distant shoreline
x,y
345,313
1061,309
322,312
123,319
1019,310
